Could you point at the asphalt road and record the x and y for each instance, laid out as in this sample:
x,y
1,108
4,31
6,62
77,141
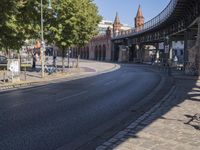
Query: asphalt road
x,y
60,115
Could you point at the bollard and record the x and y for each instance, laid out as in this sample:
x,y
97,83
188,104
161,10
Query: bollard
x,y
4,76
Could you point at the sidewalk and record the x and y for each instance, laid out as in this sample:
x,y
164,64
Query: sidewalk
x,y
166,126
86,68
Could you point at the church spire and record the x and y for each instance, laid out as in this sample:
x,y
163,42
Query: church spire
x,y
139,12
116,25
139,19
117,20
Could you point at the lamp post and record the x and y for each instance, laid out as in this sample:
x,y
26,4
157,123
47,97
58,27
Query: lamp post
x,y
42,36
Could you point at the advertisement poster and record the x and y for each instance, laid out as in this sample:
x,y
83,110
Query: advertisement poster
x,y
14,68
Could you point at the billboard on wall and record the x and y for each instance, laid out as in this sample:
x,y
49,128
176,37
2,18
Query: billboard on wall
x,y
14,69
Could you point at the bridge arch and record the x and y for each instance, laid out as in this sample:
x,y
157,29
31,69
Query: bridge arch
x,y
178,21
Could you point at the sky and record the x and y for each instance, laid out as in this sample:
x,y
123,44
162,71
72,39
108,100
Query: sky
x,y
127,9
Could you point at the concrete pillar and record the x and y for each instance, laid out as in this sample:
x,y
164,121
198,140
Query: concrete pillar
x,y
141,54
167,50
198,46
186,37
170,50
157,56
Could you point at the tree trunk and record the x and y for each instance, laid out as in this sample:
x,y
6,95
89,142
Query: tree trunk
x,y
7,52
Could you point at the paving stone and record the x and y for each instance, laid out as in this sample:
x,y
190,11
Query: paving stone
x,y
112,140
107,144
101,148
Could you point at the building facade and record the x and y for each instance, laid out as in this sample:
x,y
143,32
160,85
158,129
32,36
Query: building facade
x,y
100,47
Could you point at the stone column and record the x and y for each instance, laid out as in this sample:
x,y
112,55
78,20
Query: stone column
x,y
157,56
198,46
186,38
140,53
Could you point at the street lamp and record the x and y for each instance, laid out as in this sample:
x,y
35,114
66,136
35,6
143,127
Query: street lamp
x,y
42,36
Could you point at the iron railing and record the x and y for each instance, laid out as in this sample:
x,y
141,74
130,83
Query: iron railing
x,y
160,18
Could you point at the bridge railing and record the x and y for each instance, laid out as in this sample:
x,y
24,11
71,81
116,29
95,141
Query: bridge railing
x,y
160,18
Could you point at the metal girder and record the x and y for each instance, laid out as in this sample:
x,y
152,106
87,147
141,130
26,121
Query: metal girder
x,y
184,13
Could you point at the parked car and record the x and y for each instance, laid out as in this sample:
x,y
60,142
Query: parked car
x,y
3,60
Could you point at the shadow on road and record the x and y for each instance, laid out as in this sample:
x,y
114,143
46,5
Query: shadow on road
x,y
186,90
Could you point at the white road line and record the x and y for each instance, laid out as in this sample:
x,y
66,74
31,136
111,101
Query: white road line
x,y
110,82
67,97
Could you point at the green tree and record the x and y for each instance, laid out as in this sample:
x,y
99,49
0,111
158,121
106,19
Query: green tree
x,y
70,22
11,29
19,20
74,23
87,22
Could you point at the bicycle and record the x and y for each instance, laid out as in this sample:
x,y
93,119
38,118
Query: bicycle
x,y
50,70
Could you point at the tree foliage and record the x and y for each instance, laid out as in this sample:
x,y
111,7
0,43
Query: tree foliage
x,y
12,32
87,22
70,22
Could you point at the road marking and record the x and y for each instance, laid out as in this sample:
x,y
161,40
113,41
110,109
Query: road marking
x,y
110,82
67,97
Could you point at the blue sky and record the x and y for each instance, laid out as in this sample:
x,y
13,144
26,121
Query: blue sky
x,y
127,9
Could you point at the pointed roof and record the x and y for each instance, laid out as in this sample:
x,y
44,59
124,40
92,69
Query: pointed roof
x,y
139,12
117,20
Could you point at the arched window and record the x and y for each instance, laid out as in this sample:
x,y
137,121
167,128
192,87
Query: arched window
x,y
96,53
100,53
87,53
104,52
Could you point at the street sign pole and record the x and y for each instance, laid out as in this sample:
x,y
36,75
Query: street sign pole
x,y
42,40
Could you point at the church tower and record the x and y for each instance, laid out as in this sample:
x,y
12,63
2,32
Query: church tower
x,y
116,25
139,19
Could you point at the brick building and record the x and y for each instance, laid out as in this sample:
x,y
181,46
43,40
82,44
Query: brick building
x,y
100,47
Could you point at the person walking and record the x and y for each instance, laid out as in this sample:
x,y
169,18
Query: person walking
x,y
54,57
34,61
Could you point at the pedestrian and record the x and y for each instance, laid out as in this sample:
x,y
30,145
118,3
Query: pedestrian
x,y
54,57
34,61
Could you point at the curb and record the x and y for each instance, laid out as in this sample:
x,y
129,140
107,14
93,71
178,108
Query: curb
x,y
19,85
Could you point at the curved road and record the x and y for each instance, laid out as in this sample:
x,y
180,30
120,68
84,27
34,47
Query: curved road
x,y
61,115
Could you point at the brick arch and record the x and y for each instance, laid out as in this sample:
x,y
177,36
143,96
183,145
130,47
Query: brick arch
x,y
87,52
81,53
84,53
104,52
72,52
76,52
96,52
100,52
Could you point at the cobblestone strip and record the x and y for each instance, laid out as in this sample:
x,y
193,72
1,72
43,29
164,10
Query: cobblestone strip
x,y
6,87
129,131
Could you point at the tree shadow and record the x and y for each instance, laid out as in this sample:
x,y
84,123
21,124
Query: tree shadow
x,y
185,87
